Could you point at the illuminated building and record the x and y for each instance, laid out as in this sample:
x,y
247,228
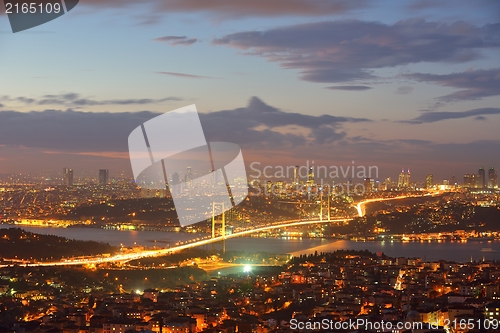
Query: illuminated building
x,y
429,181
492,178
188,178
388,184
368,185
310,176
269,187
103,176
279,186
481,178
401,179
68,176
492,310
470,180
296,175
404,179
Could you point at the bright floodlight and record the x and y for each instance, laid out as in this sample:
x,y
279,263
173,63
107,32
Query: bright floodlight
x,y
137,291
247,268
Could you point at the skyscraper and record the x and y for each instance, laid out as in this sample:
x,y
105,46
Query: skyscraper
x,y
68,176
481,178
189,177
310,176
407,179
388,184
176,179
453,180
468,180
296,175
492,178
401,179
103,176
429,181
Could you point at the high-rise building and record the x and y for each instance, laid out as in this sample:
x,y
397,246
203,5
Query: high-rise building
x,y
404,179
188,178
407,179
467,180
453,180
429,181
470,180
68,176
296,175
103,176
388,184
310,176
176,180
492,178
401,179
481,178
368,185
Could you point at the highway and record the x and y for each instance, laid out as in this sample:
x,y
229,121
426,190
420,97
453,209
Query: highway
x,y
361,204
124,257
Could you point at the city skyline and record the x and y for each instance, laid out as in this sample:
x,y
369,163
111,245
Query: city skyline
x,y
322,173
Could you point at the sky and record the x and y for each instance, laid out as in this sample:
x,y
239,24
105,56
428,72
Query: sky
x,y
393,84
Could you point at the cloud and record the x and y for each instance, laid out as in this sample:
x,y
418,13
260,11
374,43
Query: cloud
x,y
52,139
230,9
474,84
404,90
74,100
256,125
177,40
189,76
349,88
349,51
431,117
490,7
259,124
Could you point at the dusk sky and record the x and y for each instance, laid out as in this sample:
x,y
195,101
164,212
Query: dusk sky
x,y
396,84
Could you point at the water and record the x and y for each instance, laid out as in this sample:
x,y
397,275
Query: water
x,y
113,237
453,251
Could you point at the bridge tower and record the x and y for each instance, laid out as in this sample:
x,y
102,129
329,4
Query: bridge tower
x,y
328,198
321,206
222,222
